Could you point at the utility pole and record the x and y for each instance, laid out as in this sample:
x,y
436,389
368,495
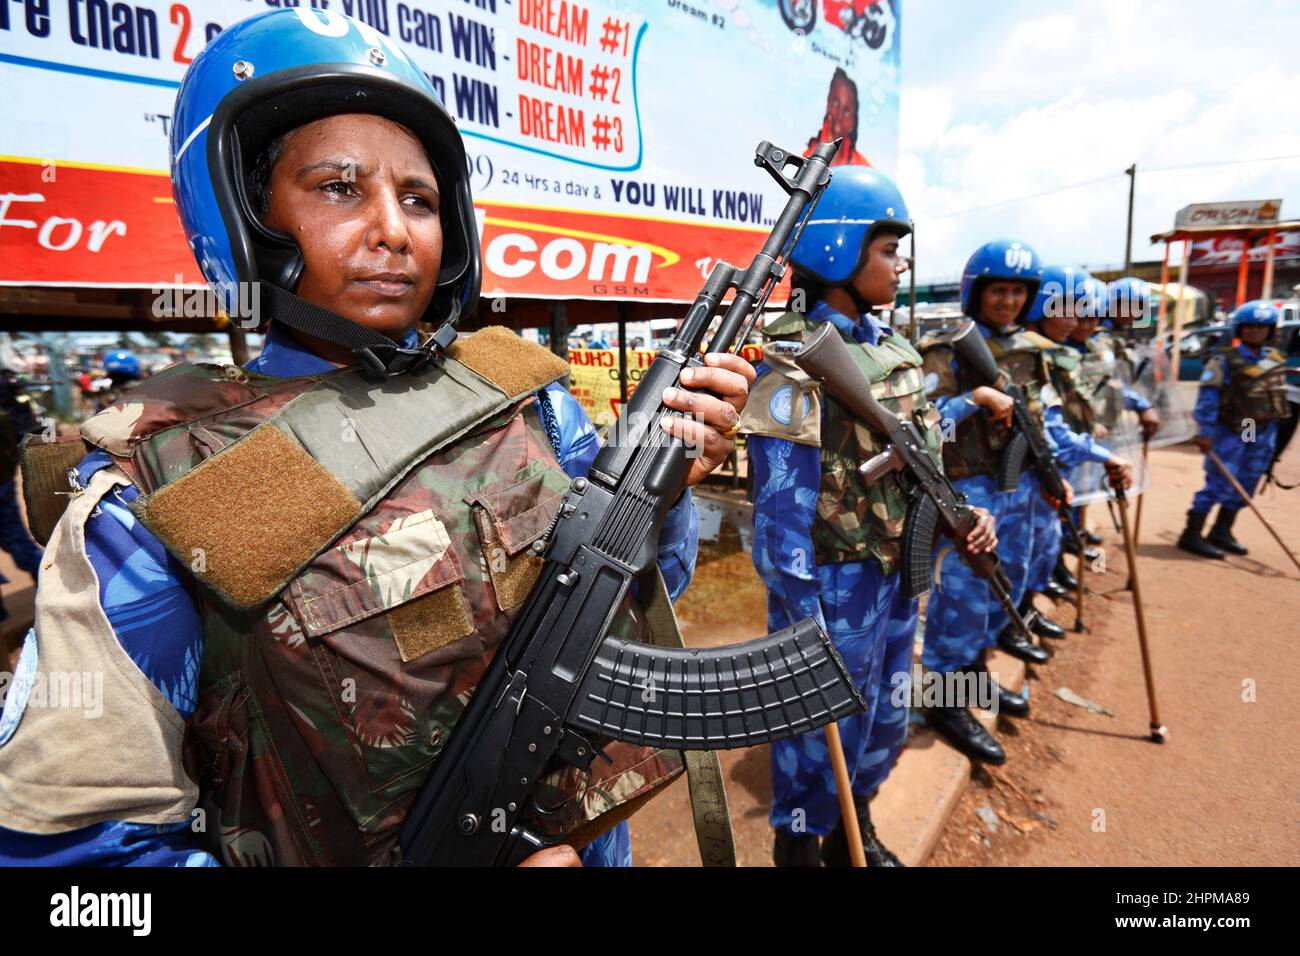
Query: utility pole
x,y
1132,173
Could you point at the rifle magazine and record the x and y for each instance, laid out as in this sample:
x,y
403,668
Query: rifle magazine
x,y
1012,462
787,683
920,531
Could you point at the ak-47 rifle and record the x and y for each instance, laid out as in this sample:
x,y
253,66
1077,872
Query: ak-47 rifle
x,y
560,681
935,505
1027,442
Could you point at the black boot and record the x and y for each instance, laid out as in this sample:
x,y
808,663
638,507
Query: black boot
x,y
1192,542
958,726
1040,625
1063,576
1012,704
1221,534
1014,643
1009,702
1055,591
1090,537
835,848
796,849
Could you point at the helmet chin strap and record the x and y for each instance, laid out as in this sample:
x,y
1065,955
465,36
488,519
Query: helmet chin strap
x,y
378,356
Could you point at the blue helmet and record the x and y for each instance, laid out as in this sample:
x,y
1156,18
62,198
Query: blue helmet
x,y
1130,291
1063,290
858,201
276,71
122,363
1256,312
1002,260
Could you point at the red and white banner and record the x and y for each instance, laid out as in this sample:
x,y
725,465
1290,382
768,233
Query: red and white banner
x,y
611,144
1226,250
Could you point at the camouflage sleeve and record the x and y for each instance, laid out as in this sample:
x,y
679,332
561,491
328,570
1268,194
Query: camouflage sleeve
x,y
953,404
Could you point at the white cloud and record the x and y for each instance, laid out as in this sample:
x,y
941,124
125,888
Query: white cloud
x,y
1026,104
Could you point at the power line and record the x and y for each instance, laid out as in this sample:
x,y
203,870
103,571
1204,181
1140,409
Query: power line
x,y
1217,162
1146,170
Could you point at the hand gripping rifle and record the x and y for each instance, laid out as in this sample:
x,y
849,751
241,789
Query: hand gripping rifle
x,y
1027,441
935,506
560,681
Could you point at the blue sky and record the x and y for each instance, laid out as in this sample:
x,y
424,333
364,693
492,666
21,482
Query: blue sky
x,y
1007,99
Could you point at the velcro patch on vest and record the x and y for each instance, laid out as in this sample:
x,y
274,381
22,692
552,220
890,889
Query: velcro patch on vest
x,y
514,365
287,505
45,467
430,622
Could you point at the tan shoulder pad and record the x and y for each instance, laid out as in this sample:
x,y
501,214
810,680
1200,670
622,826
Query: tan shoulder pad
x,y
513,364
1040,340
932,340
786,325
784,403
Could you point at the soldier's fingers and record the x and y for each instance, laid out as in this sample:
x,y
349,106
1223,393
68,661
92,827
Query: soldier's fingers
x,y
716,412
707,441
733,362
562,855
727,384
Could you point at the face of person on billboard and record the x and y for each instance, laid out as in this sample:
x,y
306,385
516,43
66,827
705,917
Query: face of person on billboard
x,y
1000,302
842,110
358,194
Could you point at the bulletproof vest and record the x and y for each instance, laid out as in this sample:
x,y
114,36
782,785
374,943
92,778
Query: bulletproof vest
x,y
1106,366
978,442
1253,390
1066,376
854,522
360,552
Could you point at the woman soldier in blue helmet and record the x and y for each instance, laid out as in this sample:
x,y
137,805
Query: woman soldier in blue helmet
x,y
825,544
1239,409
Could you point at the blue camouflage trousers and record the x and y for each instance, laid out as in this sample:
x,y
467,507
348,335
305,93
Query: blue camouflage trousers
x,y
963,617
1247,460
873,626
1047,543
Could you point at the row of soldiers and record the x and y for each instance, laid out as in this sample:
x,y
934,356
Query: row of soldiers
x,y
827,541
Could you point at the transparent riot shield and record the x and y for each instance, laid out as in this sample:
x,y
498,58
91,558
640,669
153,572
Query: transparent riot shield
x,y
1173,400
1106,380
